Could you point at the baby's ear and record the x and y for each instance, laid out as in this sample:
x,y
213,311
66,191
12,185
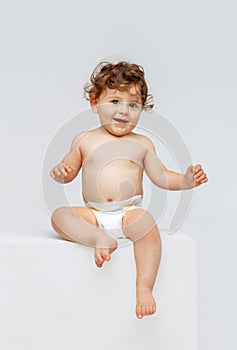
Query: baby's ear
x,y
147,108
93,103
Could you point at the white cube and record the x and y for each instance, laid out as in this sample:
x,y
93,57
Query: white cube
x,y
53,297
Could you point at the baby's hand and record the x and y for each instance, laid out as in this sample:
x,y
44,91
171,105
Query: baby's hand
x,y
195,176
60,171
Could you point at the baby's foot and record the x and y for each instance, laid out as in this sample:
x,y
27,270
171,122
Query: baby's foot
x,y
146,304
103,254
103,251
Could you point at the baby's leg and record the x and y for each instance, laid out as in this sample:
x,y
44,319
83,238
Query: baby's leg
x,y
79,224
139,226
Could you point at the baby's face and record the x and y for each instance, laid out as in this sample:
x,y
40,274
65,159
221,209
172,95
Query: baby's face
x,y
119,111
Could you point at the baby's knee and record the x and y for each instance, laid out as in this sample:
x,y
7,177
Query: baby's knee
x,y
58,215
57,222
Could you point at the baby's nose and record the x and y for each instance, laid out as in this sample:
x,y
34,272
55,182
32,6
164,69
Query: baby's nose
x,y
123,108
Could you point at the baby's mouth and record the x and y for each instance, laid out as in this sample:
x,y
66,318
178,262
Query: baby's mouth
x,y
121,120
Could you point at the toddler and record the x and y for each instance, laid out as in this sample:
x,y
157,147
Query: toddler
x,y
113,158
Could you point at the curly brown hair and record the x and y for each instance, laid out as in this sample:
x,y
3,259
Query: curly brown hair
x,y
119,76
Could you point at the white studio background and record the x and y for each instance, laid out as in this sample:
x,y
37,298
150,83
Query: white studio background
x,y
188,51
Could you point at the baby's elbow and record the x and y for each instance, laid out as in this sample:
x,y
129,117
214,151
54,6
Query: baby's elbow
x,y
160,181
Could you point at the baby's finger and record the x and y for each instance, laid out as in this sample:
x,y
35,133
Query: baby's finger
x,y
52,174
57,172
190,169
202,181
62,170
69,170
197,168
201,178
198,174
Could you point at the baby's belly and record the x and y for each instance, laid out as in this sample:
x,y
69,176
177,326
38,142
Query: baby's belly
x,y
111,184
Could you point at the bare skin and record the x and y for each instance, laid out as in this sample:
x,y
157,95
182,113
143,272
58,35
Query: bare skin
x,y
140,227
113,159
147,246
79,224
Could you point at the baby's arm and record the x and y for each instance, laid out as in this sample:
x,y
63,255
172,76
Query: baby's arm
x,y
168,179
69,167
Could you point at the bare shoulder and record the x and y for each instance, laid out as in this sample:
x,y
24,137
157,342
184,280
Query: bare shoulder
x,y
82,136
146,141
77,139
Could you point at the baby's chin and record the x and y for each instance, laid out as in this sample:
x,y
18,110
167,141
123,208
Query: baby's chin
x,y
119,130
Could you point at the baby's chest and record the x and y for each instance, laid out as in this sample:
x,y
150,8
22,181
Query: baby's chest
x,y
118,161
114,157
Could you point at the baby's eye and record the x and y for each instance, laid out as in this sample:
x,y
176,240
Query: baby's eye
x,y
133,105
115,102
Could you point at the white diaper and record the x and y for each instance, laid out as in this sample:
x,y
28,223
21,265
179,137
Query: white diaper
x,y
110,215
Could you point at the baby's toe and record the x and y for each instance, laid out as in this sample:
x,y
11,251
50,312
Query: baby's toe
x,y
98,263
151,309
98,260
139,312
105,255
145,310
